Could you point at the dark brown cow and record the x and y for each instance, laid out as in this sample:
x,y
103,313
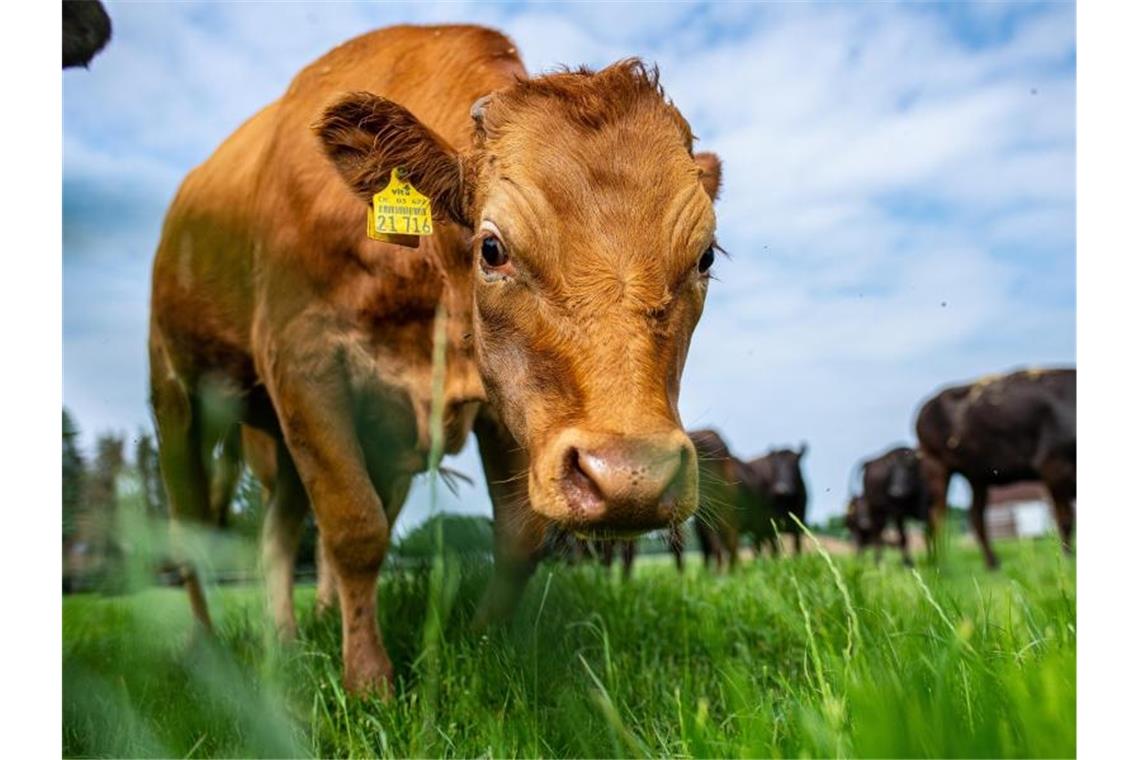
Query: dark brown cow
x,y
999,430
893,492
567,269
721,498
746,498
606,549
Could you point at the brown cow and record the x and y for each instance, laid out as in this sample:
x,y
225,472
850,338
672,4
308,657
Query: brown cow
x,y
573,235
999,430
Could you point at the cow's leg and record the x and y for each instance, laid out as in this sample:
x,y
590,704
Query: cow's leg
x,y
774,545
628,552
978,520
326,580
705,541
900,526
797,539
1060,477
731,547
677,546
315,408
281,534
717,548
519,531
579,551
224,477
936,476
183,472
1061,494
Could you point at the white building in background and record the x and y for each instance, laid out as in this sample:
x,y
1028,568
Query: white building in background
x,y
1021,510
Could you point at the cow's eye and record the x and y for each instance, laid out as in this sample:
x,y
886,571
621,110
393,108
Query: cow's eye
x,y
493,252
706,260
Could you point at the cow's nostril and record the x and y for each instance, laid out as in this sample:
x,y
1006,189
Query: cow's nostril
x,y
581,491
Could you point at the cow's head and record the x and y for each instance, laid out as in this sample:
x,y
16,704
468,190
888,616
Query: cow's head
x,y
903,477
859,522
780,472
593,235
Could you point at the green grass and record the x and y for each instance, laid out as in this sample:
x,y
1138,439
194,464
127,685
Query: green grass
x,y
784,658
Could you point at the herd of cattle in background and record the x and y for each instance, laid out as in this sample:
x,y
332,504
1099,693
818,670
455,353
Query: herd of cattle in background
x,y
573,238
996,431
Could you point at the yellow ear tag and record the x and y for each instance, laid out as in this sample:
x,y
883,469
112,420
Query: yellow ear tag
x,y
399,211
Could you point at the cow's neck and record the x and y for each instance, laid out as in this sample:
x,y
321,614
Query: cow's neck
x,y
396,307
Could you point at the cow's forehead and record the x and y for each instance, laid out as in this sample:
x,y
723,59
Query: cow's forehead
x,y
622,168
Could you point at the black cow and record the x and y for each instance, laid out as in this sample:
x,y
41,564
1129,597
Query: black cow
x,y
999,430
860,525
779,492
893,492
86,30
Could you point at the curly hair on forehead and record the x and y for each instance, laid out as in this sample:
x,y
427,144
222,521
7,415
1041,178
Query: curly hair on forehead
x,y
590,99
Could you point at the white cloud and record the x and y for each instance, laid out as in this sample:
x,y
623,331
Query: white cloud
x,y
876,167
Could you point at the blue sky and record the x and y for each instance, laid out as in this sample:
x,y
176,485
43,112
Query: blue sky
x,y
899,196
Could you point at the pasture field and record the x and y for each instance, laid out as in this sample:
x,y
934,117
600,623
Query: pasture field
x,y
810,656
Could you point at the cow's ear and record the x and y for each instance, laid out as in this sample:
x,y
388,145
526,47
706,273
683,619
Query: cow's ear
x,y
367,136
709,164
803,450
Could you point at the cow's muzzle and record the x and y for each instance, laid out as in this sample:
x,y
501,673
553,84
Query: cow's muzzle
x,y
622,484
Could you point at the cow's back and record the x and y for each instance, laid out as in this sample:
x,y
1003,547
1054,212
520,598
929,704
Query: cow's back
x,y
201,297
1033,412
875,475
935,423
1001,426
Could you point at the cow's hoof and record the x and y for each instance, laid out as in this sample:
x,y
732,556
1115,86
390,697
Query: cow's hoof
x,y
371,680
286,633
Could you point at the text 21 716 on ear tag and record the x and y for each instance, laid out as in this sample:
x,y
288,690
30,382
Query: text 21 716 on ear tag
x,y
400,214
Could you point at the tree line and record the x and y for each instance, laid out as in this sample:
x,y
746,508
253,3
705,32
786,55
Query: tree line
x,y
97,487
